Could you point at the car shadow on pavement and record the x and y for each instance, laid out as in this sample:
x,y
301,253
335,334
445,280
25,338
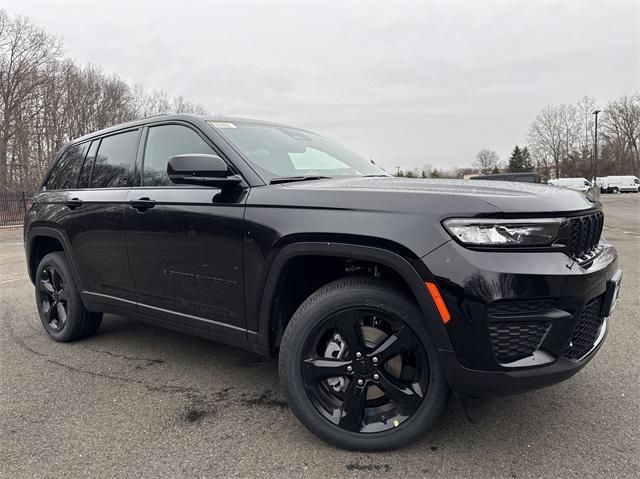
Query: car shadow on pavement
x,y
217,377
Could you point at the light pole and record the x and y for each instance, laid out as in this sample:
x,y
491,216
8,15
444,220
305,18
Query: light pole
x,y
595,148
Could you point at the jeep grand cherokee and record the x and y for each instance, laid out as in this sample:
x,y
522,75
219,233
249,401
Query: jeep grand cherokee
x,y
379,295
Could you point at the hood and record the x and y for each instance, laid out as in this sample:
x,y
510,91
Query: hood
x,y
504,196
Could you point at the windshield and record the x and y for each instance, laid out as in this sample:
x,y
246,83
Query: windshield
x,y
278,151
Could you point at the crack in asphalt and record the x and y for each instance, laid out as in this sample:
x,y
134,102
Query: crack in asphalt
x,y
618,230
149,361
199,403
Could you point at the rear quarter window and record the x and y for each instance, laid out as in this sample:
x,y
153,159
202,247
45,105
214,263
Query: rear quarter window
x,y
64,174
87,166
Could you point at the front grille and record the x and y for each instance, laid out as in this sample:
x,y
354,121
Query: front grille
x,y
585,331
515,340
584,235
514,308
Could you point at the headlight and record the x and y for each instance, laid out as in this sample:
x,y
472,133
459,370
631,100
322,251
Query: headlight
x,y
495,232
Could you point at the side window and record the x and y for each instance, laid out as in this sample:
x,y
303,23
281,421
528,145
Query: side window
x,y
87,166
166,141
114,157
65,173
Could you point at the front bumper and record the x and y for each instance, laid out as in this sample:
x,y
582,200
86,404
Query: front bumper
x,y
478,383
519,321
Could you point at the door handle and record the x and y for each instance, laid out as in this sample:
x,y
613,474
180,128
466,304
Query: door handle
x,y
142,204
73,203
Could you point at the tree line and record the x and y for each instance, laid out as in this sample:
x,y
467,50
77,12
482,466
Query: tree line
x,y
561,143
47,100
562,138
486,162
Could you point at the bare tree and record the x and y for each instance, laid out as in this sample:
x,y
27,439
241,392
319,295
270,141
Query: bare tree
x,y
486,161
622,128
569,132
46,100
564,135
25,50
541,161
586,126
545,135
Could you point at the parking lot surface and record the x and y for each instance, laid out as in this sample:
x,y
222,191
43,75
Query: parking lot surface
x,y
139,401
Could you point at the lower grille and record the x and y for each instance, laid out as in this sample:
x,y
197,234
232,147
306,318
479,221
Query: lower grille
x,y
515,308
586,330
516,340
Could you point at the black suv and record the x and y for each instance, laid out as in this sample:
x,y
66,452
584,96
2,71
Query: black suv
x,y
379,295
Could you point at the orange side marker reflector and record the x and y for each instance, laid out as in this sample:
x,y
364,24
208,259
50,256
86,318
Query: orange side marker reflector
x,y
437,298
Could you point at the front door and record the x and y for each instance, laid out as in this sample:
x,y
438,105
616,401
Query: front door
x,y
185,242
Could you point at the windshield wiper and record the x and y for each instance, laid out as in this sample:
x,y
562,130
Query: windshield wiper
x,y
291,179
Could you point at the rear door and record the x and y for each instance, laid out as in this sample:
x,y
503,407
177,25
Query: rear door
x,y
185,242
95,226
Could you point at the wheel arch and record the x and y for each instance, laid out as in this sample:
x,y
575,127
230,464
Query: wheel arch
x,y
409,269
42,240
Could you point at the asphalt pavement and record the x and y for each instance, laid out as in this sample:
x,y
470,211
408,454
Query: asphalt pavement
x,y
139,401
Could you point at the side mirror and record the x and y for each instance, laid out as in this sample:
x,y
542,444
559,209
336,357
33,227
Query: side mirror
x,y
200,169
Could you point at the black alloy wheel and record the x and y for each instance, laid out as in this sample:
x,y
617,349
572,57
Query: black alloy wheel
x,y
53,298
359,366
365,371
60,307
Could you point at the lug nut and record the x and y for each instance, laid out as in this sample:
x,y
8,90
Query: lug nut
x,y
376,377
358,355
360,382
375,360
349,369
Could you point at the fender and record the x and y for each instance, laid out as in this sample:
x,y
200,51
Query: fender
x,y
367,253
39,231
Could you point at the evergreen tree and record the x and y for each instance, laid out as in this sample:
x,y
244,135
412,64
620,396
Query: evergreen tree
x,y
527,164
520,160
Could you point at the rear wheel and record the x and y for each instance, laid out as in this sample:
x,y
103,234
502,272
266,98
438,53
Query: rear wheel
x,y
359,367
61,311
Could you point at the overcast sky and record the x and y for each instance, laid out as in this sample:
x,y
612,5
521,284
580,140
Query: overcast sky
x,y
405,83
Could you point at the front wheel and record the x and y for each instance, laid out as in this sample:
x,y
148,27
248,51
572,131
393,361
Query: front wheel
x,y
359,367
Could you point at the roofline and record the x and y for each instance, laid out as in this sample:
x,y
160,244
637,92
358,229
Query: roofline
x,y
171,117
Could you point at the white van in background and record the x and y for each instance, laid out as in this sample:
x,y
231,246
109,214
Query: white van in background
x,y
615,184
579,184
601,182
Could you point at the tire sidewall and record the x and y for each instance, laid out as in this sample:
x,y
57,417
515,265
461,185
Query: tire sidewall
x,y
318,309
74,305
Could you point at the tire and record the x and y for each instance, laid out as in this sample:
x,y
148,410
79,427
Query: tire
x,y
371,300
60,308
615,190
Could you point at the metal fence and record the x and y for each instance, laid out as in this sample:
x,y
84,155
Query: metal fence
x,y
13,206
